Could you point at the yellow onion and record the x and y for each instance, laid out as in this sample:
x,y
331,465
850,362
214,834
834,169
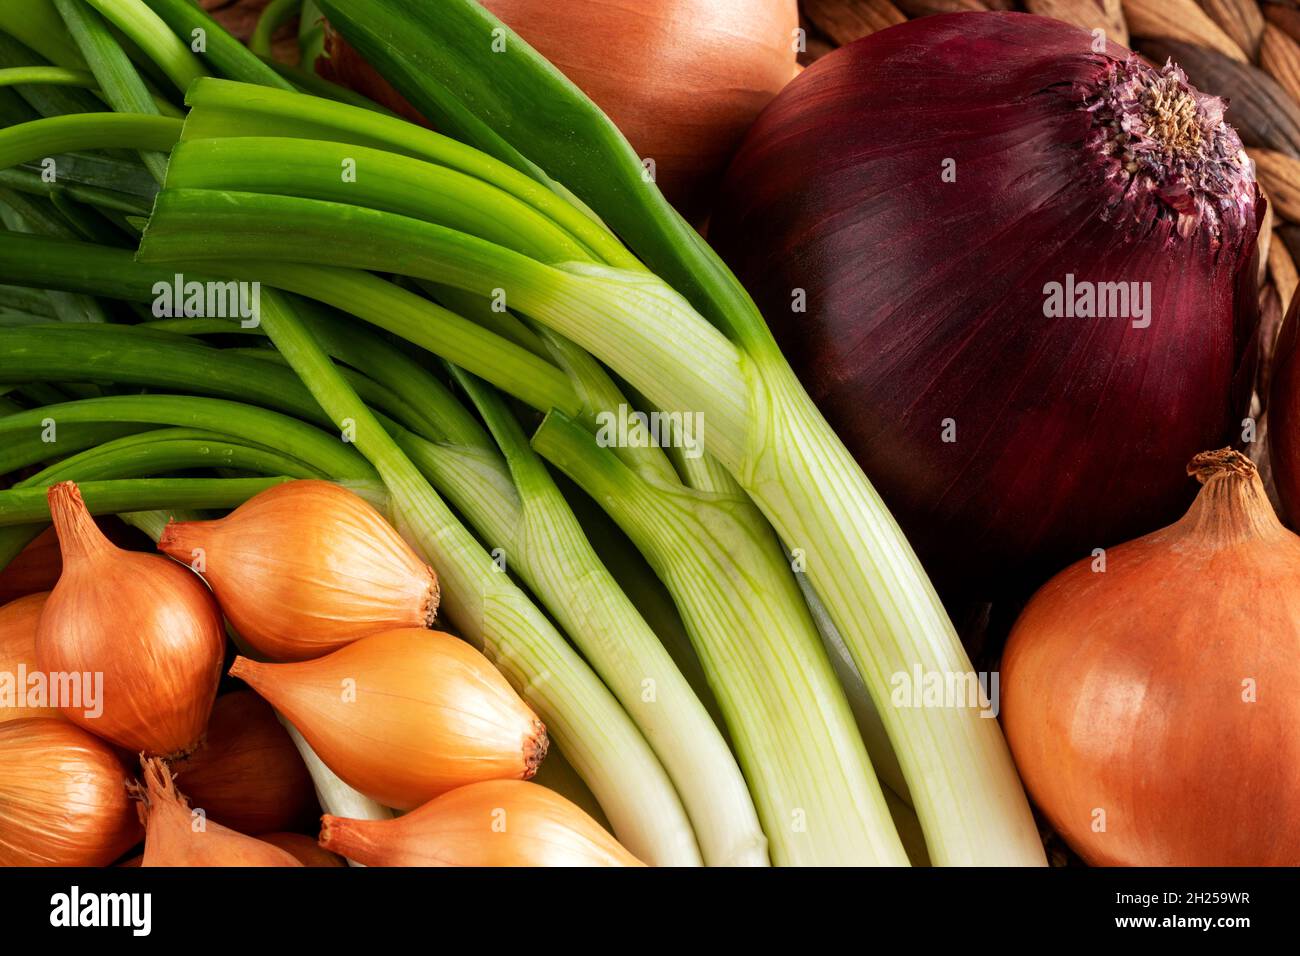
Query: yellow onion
x,y
303,848
146,624
63,799
306,567
682,79
495,823
247,774
18,620
405,715
175,835
1150,700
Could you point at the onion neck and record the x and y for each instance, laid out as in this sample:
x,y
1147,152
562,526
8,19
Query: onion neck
x,y
1232,507
1166,153
79,536
353,839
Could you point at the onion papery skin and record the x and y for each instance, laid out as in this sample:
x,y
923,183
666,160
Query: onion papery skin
x,y
925,299
247,774
63,799
682,79
405,715
304,849
18,622
174,837
1284,417
148,625
1126,692
305,568
496,823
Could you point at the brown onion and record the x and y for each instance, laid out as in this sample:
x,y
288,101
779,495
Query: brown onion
x,y
35,568
405,715
306,567
1151,706
306,850
175,835
18,621
682,79
495,823
247,774
146,624
63,799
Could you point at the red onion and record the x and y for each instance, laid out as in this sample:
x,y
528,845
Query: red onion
x,y
923,187
1284,417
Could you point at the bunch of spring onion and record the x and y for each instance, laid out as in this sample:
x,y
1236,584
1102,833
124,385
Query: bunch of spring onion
x,y
428,298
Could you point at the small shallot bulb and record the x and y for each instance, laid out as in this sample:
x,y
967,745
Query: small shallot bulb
x,y
63,799
405,715
139,628
305,568
175,835
1150,701
247,774
495,823
24,692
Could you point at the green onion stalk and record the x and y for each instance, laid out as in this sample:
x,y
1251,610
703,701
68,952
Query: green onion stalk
x,y
517,107
600,739
510,499
807,767
761,426
695,346
116,75
585,719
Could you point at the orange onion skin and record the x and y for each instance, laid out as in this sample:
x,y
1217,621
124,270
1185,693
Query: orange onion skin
x,y
63,799
494,823
18,622
405,715
915,309
304,849
682,79
247,774
1125,693
175,837
305,568
145,623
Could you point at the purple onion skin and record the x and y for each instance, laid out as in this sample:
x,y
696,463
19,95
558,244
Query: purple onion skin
x,y
925,299
1284,416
